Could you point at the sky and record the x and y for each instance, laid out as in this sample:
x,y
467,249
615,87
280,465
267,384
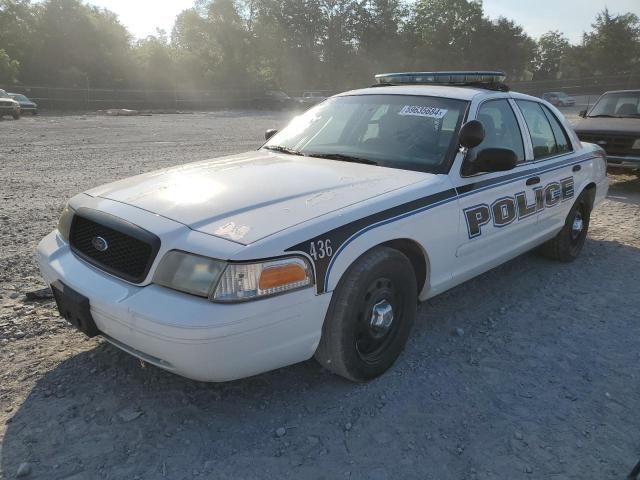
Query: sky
x,y
572,17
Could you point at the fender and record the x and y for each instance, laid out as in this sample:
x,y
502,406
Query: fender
x,y
332,252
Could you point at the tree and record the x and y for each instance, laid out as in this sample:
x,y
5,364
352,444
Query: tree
x,y
198,56
550,54
17,27
294,45
445,31
155,62
227,30
613,47
8,69
503,45
380,36
75,44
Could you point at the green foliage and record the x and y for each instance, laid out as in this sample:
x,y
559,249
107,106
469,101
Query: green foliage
x,y
550,54
614,44
8,68
294,45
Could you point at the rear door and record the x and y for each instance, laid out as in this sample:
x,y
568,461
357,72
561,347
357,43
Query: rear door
x,y
557,169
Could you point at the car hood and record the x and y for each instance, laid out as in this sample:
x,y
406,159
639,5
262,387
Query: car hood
x,y
247,197
612,126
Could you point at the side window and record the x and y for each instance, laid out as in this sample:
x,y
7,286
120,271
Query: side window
x,y
500,127
542,137
563,145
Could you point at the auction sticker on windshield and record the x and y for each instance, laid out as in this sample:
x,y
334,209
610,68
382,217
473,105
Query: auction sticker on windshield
x,y
422,111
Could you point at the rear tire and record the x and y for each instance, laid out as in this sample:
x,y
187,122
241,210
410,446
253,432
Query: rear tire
x,y
381,285
568,243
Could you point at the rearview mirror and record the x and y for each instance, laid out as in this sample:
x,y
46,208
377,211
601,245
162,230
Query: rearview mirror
x,y
270,133
471,134
583,113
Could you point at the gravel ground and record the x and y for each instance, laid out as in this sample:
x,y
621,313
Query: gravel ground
x,y
529,371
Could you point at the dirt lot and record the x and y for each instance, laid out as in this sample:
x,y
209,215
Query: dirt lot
x,y
544,382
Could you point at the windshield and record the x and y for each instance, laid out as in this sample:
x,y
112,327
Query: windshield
x,y
21,98
398,131
623,104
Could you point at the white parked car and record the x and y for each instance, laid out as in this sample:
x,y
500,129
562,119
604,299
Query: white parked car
x,y
323,241
8,106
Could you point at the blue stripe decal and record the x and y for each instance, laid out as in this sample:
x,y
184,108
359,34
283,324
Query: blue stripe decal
x,y
342,237
375,225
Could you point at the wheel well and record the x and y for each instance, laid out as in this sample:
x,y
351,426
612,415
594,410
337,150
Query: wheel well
x,y
591,190
416,256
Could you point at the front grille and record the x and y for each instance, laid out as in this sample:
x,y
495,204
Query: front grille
x,y
6,104
612,144
130,250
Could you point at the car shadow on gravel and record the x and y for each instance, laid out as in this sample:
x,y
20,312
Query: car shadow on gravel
x,y
487,364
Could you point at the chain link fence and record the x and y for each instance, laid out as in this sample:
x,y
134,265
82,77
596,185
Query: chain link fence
x,y
585,90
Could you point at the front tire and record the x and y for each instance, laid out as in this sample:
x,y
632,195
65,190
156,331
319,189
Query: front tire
x,y
568,243
16,115
370,317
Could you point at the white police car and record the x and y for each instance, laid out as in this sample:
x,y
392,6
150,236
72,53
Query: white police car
x,y
323,241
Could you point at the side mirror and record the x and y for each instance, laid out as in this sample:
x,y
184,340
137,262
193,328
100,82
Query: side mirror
x,y
583,113
495,160
471,134
270,133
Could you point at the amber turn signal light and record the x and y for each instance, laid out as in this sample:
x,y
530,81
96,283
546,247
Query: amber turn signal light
x,y
277,276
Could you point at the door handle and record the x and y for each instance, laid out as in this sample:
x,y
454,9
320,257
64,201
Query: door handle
x,y
533,180
576,168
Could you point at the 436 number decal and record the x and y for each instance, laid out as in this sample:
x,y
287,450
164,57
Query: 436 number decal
x,y
320,249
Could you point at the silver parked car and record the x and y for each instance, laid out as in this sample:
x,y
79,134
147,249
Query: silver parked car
x,y
8,106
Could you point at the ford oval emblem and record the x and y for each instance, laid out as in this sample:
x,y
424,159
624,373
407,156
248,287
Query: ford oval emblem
x,y
99,244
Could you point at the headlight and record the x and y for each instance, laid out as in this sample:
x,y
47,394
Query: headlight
x,y
188,273
231,282
64,223
247,281
636,144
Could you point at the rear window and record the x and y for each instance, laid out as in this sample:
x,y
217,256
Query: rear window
x,y
548,135
563,145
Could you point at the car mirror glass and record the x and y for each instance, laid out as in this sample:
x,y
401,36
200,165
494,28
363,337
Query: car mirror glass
x,y
471,134
270,133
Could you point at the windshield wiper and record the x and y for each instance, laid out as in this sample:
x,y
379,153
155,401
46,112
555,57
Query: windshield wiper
x,y
343,158
283,149
605,115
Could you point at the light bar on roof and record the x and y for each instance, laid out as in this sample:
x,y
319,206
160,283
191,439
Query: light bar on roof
x,y
442,78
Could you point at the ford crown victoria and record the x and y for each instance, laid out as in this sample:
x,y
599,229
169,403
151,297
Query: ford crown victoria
x,y
323,241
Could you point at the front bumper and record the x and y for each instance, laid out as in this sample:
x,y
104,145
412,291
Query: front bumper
x,y
624,161
9,110
188,335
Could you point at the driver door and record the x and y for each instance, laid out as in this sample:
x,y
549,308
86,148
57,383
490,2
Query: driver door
x,y
498,209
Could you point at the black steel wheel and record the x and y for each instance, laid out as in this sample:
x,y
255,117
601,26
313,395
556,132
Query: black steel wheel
x,y
567,244
370,316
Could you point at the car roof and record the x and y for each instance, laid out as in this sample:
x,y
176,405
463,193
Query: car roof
x,y
453,92
622,91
